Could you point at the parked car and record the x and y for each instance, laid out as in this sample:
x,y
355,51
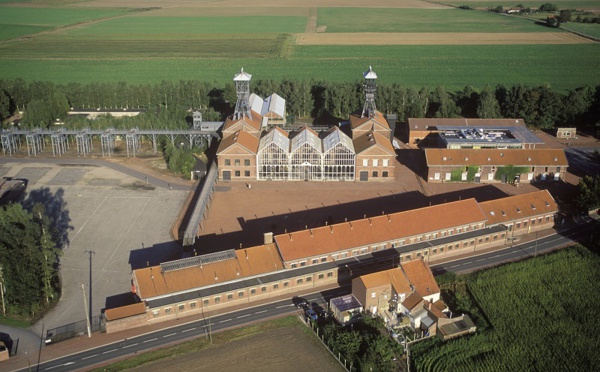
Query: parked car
x,y
300,302
319,310
310,314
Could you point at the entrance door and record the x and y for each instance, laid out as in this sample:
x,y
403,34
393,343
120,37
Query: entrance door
x,y
306,172
226,175
364,175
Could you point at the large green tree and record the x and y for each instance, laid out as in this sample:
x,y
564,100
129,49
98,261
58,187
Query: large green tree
x,y
487,105
28,257
588,192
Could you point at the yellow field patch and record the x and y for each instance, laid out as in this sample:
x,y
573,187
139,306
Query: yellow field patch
x,y
450,38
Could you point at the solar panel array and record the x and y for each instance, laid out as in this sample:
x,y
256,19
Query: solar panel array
x,y
198,260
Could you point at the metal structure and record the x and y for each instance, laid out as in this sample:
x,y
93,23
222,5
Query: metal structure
x,y
273,157
306,157
83,139
339,157
10,142
370,89
201,208
242,90
35,143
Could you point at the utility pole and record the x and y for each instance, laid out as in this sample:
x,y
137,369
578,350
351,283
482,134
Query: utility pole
x,y
87,315
89,311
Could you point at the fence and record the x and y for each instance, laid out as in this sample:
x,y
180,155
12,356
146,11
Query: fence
x,y
315,328
73,330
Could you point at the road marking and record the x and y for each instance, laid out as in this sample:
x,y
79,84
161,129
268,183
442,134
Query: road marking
x,y
466,263
60,365
189,329
109,351
169,335
279,307
226,320
91,356
152,339
455,266
125,347
481,259
260,312
243,316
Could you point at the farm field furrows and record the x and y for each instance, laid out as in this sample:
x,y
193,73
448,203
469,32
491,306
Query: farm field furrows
x,y
540,313
422,20
147,27
562,66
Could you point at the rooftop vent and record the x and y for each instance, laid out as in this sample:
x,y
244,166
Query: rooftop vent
x,y
533,207
489,159
444,158
501,154
492,213
503,213
529,158
518,210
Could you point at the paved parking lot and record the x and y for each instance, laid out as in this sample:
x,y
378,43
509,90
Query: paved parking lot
x,y
120,219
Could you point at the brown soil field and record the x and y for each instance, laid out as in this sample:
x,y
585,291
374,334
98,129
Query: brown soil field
x,y
285,349
450,38
262,4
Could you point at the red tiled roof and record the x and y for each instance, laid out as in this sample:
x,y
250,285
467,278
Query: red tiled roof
x,y
125,311
516,157
242,138
367,140
421,277
254,122
346,235
507,209
151,282
378,120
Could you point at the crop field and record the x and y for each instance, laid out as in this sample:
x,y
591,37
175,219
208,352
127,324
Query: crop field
x,y
541,314
144,27
562,4
410,42
421,20
591,29
563,66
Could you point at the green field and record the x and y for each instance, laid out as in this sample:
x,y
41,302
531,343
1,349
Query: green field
x,y
178,28
562,66
421,20
590,29
537,315
51,17
564,4
12,31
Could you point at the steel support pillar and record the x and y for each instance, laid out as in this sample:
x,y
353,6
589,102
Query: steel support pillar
x,y
59,144
132,142
107,143
34,143
9,143
84,143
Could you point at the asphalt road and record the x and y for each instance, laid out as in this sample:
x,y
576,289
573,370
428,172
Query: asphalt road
x,y
202,328
191,330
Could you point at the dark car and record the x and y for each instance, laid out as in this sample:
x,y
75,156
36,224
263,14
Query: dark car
x,y
310,314
319,310
300,302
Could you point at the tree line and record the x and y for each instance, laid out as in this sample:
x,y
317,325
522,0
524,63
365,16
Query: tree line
x,y
168,103
29,260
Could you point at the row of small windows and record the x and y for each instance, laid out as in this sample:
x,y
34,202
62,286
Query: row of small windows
x,y
375,162
237,162
241,294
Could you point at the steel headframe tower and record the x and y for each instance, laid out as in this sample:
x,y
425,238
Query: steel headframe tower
x,y
242,89
370,89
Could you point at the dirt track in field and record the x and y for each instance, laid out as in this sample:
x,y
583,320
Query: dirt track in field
x,y
450,38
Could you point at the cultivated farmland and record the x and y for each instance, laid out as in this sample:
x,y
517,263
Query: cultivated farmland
x,y
540,316
411,42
